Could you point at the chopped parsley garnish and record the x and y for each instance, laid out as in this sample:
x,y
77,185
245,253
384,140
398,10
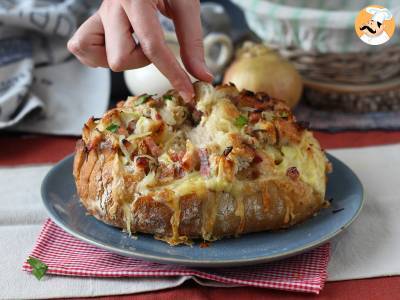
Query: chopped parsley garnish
x,y
241,121
39,268
167,97
143,99
113,127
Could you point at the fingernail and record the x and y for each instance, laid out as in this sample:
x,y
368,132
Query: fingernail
x,y
210,76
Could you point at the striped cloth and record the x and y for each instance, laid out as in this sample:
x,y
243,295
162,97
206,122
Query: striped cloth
x,y
66,255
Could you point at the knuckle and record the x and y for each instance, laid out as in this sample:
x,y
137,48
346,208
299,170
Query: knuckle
x,y
197,43
151,48
76,46
179,82
117,63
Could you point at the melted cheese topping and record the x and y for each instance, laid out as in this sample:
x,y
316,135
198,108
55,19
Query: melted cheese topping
x,y
308,158
216,132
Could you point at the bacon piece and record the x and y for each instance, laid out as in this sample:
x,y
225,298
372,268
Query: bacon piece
x,y
259,101
158,116
152,146
257,159
154,103
142,148
179,171
204,163
292,173
176,156
131,126
196,116
254,117
262,97
143,163
166,173
122,131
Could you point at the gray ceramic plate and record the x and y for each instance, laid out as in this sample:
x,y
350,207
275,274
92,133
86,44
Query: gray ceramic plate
x,y
61,201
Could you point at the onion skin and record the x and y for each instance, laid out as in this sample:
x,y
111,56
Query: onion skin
x,y
265,71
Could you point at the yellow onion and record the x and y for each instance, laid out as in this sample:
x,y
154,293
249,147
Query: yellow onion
x,y
259,69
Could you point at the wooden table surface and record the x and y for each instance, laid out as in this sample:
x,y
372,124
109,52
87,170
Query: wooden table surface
x,y
17,149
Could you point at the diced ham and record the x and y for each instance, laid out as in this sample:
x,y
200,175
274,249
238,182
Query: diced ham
x,y
176,156
152,146
196,116
166,173
143,163
122,131
293,173
179,171
249,99
204,163
257,159
131,126
254,117
142,148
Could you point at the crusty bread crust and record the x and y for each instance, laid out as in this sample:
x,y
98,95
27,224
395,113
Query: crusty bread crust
x,y
268,201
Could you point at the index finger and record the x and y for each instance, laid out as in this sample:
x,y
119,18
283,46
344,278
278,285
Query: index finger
x,y
186,17
142,15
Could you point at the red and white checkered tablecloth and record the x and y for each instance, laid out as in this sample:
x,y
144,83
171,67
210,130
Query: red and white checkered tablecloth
x,y
66,255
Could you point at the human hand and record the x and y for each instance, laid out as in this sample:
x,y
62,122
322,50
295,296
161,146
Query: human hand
x,y
105,40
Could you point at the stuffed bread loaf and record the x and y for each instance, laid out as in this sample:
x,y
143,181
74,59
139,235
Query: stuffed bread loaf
x,y
235,163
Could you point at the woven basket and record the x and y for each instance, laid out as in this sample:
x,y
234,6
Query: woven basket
x,y
353,98
319,39
357,68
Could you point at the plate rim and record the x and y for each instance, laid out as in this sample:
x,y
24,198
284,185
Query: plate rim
x,y
189,262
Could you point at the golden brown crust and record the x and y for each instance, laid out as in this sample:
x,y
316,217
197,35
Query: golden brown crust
x,y
267,210
138,180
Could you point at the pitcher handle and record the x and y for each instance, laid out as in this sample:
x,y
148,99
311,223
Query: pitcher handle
x,y
226,51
